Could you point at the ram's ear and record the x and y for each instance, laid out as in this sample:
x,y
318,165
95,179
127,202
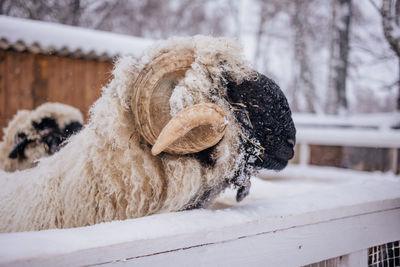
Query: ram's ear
x,y
19,147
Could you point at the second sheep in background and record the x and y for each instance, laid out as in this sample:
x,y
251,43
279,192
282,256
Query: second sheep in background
x,y
31,135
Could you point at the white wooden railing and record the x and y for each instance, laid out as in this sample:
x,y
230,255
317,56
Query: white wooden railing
x,y
282,223
350,132
348,137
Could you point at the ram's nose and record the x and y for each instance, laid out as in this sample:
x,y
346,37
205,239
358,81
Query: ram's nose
x,y
290,154
292,143
286,152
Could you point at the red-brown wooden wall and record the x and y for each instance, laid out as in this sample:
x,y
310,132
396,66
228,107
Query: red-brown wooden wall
x,y
28,80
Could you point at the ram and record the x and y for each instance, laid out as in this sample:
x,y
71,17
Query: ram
x,y
170,132
31,135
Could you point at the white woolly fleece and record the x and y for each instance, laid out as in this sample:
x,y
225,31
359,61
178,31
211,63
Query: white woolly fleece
x,y
106,172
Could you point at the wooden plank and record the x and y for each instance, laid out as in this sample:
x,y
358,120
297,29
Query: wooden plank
x,y
291,247
25,66
83,70
56,81
3,96
91,85
86,76
67,92
28,80
398,162
3,124
41,76
395,159
12,86
66,81
75,92
53,86
16,80
87,84
332,156
64,77
96,77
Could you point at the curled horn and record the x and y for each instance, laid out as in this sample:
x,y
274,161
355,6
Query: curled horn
x,y
192,129
189,118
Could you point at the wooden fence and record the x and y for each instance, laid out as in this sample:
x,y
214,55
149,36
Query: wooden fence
x,y
28,80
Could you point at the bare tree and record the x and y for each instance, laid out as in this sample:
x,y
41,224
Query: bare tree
x,y
391,28
341,21
264,16
234,10
5,7
390,13
66,12
76,7
108,10
269,10
303,76
391,23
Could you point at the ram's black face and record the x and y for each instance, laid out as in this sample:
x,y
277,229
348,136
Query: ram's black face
x,y
263,111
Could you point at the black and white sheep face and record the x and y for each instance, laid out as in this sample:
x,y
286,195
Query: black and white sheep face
x,y
263,111
46,134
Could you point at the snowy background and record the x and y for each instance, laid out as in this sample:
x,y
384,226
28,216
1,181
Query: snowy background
x,y
290,41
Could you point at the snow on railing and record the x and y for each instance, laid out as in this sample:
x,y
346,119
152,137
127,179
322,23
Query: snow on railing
x,y
282,223
376,120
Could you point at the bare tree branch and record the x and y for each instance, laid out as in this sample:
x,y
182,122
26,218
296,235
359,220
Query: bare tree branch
x,y
390,27
106,15
3,6
339,62
76,7
391,30
375,5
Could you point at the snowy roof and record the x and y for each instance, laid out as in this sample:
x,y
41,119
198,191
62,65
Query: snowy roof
x,y
51,38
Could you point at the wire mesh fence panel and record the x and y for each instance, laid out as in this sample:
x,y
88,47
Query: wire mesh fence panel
x,y
386,255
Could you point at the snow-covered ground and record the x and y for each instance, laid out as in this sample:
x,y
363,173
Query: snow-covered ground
x,y
297,180
276,200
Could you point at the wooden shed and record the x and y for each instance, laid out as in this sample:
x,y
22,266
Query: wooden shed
x,y
46,62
